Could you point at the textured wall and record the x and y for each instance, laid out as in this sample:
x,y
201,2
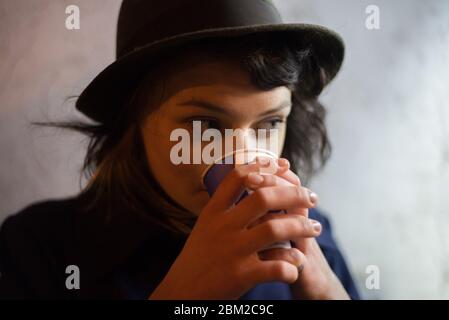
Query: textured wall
x,y
385,187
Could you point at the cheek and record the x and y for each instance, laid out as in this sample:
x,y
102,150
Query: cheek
x,y
177,180
156,136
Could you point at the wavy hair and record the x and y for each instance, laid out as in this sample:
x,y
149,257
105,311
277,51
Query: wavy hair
x,y
115,163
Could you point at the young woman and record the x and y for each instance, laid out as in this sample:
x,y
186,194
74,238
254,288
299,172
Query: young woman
x,y
144,226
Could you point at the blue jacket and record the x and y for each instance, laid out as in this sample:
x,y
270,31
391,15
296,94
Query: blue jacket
x,y
123,257
336,260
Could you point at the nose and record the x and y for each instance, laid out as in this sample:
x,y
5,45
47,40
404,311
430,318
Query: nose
x,y
248,139
240,139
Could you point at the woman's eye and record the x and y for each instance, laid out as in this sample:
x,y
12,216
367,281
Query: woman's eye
x,y
271,124
206,123
210,124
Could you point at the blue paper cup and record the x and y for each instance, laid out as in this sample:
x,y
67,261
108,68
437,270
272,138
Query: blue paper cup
x,y
216,172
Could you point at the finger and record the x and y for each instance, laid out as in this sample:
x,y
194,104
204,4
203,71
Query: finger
x,y
254,180
266,176
273,215
299,211
279,229
286,173
303,211
267,165
274,270
266,199
294,179
279,167
293,255
291,177
283,176
231,187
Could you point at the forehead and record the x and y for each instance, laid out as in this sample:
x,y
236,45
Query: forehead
x,y
206,71
225,80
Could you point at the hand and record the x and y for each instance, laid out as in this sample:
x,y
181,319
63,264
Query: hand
x,y
316,280
220,257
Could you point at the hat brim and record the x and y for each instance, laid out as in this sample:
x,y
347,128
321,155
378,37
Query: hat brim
x,y
101,99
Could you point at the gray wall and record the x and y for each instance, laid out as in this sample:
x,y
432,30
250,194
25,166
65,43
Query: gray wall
x,y
385,187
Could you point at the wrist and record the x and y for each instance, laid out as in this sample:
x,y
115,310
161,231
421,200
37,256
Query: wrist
x,y
332,289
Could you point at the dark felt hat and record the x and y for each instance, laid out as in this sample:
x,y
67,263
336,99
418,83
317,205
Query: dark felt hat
x,y
148,28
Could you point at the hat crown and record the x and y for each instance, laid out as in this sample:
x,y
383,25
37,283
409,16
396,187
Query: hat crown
x,y
148,29
142,22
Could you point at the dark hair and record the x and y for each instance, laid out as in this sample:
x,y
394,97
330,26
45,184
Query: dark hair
x,y
116,163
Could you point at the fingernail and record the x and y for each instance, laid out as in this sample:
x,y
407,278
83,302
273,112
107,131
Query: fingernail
x,y
282,162
313,197
255,178
263,161
316,225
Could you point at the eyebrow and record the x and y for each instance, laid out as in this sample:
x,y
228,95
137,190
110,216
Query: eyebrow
x,y
210,106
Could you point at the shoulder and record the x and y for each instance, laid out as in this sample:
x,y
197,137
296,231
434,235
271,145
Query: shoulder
x,y
39,220
32,243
